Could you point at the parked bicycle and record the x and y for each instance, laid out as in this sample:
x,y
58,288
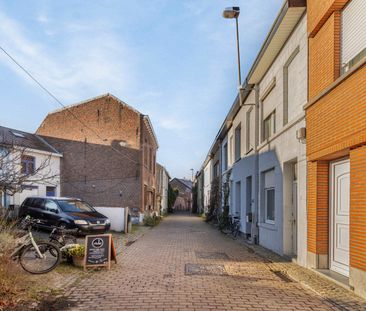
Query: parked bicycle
x,y
35,257
62,236
235,225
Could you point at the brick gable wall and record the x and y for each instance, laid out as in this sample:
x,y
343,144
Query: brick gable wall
x,y
90,169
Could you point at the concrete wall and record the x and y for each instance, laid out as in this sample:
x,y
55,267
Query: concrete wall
x,y
207,178
116,215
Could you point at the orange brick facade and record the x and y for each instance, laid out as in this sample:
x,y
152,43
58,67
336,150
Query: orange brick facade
x,y
336,129
318,227
358,208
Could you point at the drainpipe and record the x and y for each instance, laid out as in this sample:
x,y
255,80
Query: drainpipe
x,y
255,229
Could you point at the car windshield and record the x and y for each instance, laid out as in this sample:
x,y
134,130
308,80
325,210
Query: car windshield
x,y
75,206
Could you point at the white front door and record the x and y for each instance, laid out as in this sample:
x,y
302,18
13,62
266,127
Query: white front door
x,y
339,215
294,217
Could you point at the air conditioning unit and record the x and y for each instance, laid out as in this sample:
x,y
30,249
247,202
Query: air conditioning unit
x,y
301,133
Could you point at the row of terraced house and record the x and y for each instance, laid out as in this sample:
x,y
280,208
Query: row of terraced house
x,y
293,151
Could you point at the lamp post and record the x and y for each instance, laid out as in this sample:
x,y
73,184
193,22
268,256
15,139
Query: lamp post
x,y
230,13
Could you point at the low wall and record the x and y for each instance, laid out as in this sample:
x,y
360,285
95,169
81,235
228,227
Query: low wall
x,y
116,215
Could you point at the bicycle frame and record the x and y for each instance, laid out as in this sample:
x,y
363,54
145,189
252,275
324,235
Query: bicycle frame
x,y
35,245
27,239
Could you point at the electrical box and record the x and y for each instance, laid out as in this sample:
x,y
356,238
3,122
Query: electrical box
x,y
301,133
249,217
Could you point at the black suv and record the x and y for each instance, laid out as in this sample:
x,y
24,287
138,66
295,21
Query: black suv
x,y
69,213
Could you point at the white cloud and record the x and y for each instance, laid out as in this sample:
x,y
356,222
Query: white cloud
x,y
87,65
42,18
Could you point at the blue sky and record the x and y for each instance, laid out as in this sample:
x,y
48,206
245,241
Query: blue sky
x,y
171,59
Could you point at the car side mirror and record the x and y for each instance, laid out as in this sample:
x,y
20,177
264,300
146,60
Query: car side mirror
x,y
53,210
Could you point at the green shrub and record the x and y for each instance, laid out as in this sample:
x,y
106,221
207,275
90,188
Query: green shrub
x,y
151,220
75,250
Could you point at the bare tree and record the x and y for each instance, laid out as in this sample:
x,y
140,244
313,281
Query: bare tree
x,y
17,170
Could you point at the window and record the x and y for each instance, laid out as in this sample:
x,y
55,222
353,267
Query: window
x,y
270,205
216,169
50,191
231,149
353,33
269,196
153,164
150,159
28,165
237,142
3,154
37,203
225,158
17,134
50,206
269,125
247,122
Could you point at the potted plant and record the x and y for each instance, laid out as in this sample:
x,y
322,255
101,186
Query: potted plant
x,y
77,253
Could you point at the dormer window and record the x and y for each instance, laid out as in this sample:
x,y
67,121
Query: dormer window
x,y
17,134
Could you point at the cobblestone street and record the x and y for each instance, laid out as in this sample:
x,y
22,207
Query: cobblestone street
x,y
186,264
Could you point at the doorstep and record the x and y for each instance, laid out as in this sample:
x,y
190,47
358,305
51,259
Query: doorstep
x,y
335,277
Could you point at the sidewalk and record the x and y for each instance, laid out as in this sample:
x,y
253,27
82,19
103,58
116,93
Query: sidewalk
x,y
339,296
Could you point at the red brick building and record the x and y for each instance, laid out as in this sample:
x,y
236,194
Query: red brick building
x,y
109,152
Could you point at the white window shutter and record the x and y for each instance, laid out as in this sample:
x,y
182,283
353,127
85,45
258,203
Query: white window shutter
x,y
353,30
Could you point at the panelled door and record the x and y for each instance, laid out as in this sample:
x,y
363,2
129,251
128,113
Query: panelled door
x,y
294,218
339,216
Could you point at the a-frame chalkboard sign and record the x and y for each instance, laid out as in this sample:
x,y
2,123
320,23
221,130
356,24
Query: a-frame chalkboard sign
x,y
99,251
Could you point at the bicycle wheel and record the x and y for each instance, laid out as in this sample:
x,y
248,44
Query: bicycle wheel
x,y
32,263
61,241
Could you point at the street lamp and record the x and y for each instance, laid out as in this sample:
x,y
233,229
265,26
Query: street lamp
x,y
230,13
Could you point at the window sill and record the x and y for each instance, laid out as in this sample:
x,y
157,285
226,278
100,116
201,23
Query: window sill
x,y
360,64
268,226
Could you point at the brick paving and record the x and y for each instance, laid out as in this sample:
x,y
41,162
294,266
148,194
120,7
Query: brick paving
x,y
338,295
152,275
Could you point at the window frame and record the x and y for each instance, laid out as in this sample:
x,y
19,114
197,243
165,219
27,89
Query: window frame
x,y
226,158
237,141
26,161
47,191
347,65
271,119
248,132
266,191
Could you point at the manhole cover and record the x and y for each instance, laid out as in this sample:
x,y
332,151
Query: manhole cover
x,y
211,255
197,269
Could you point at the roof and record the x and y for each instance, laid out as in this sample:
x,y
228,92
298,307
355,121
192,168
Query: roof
x,y
52,198
186,183
286,21
145,117
19,138
163,168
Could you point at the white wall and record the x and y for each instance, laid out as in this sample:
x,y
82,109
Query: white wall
x,y
207,178
245,167
53,169
165,184
284,148
116,215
